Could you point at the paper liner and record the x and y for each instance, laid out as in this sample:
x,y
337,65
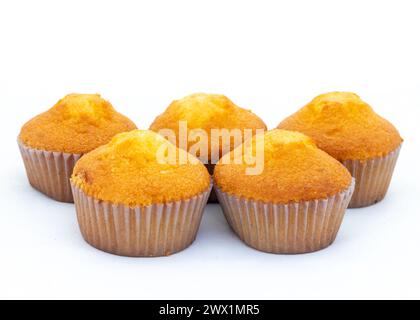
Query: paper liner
x,y
373,177
297,227
213,196
49,172
142,231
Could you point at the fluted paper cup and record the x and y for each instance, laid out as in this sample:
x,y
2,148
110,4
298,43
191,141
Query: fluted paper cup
x,y
292,228
373,177
142,231
49,171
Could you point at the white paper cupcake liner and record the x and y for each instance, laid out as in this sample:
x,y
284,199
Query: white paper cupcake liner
x,y
298,227
142,231
373,177
49,172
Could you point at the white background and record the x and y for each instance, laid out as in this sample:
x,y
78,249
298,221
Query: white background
x,y
268,56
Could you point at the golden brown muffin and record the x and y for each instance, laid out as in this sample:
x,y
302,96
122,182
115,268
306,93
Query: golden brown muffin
x,y
133,197
349,130
295,205
78,123
207,111
52,142
127,171
344,126
294,170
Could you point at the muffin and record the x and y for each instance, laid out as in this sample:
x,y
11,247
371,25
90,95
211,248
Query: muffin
x,y
349,130
295,205
135,198
204,112
53,141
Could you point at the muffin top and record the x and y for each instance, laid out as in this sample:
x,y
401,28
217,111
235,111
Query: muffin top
x,y
294,170
207,111
344,126
131,170
78,123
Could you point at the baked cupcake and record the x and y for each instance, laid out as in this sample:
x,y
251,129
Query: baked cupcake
x,y
297,202
135,198
349,130
202,113
53,141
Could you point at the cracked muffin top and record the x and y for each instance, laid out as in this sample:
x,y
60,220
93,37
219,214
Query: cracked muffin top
x,y
294,170
207,112
140,167
78,123
344,126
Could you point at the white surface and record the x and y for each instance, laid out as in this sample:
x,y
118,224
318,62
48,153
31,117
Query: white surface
x,y
267,56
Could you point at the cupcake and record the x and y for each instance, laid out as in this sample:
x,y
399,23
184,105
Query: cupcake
x,y
204,113
134,197
295,204
348,129
53,141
